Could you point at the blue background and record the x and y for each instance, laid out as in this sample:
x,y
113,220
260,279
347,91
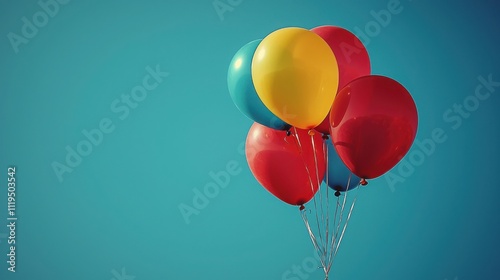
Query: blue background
x,y
119,208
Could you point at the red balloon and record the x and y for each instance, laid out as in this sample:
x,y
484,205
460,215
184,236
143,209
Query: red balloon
x,y
284,165
373,123
352,58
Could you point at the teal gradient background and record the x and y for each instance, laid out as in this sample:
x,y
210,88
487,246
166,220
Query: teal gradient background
x,y
119,208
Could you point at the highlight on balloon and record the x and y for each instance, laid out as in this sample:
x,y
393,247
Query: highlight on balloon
x,y
324,125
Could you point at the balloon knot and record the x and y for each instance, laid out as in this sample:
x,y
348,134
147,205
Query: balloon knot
x,y
288,133
363,182
325,137
311,132
302,207
337,193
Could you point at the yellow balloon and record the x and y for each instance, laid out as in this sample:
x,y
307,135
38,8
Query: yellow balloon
x,y
295,74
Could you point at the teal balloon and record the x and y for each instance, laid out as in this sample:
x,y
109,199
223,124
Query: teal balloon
x,y
337,174
242,90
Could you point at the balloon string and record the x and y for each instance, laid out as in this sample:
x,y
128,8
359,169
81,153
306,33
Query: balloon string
x,y
313,238
333,232
346,223
320,193
345,226
303,159
339,223
310,182
327,235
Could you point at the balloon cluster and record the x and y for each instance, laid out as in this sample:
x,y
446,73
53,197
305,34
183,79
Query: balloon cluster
x,y
303,87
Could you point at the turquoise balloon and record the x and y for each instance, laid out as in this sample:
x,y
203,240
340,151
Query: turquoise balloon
x,y
337,175
242,90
